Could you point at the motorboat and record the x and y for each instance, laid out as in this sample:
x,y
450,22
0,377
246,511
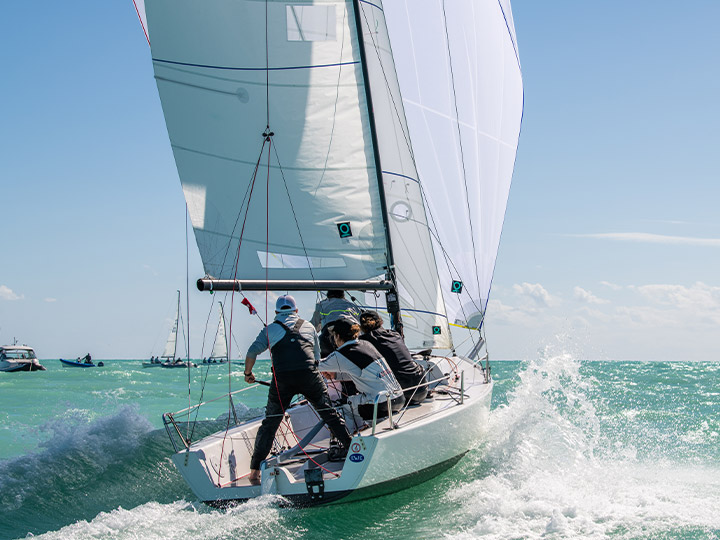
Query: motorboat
x,y
19,358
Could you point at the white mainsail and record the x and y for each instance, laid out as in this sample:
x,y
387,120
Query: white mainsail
x,y
311,210
220,347
459,73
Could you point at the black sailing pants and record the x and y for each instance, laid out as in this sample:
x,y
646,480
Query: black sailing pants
x,y
283,387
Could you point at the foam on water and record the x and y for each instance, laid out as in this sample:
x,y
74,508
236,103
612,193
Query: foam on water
x,y
84,467
574,450
547,474
257,519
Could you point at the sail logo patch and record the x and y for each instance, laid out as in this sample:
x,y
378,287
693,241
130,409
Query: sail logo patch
x,y
344,229
356,458
456,286
436,330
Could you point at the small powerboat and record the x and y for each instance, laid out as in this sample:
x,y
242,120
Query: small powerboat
x,y
76,363
19,358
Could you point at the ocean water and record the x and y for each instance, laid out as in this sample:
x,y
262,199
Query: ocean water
x,y
574,449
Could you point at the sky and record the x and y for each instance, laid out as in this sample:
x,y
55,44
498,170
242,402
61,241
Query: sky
x,y
611,243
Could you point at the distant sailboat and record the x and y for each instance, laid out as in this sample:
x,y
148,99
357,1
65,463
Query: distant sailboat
x,y
219,354
169,356
354,145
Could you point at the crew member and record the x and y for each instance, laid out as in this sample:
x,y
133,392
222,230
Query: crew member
x,y
390,344
361,363
334,307
295,353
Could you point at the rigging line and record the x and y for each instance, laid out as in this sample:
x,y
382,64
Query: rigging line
x,y
292,208
242,205
231,406
267,69
207,323
267,270
460,142
187,301
409,146
337,99
448,261
412,156
403,125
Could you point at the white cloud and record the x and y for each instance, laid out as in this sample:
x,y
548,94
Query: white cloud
x,y
6,293
698,297
586,296
649,238
535,292
50,300
612,286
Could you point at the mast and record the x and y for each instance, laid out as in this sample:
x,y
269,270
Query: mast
x,y
392,300
177,317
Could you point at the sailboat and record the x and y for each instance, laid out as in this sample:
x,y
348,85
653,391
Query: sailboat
x,y
354,145
219,354
169,358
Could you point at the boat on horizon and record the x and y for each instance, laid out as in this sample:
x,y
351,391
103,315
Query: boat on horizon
x,y
19,358
356,146
82,362
169,358
219,353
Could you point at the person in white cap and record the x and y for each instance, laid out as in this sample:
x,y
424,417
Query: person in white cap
x,y
295,354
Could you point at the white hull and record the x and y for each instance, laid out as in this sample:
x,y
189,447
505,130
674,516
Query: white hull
x,y
428,439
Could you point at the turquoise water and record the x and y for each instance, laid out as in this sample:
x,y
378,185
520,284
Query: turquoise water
x,y
574,450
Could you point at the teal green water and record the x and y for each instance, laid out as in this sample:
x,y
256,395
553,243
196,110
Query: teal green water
x,y
574,450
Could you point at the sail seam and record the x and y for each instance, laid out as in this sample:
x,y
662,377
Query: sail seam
x,y
230,68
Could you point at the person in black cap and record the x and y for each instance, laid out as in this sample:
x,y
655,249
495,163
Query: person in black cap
x,y
295,353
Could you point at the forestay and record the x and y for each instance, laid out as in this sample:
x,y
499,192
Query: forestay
x,y
459,73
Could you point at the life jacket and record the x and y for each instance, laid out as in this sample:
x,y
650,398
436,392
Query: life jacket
x,y
294,351
362,353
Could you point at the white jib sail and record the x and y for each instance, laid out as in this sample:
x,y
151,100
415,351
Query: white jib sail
x,y
220,347
459,73
312,210
425,323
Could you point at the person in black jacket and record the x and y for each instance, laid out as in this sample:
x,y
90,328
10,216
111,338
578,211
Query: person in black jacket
x,y
295,352
391,345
